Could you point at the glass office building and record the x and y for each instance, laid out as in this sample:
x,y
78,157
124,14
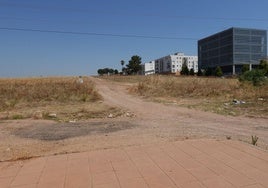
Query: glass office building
x,y
232,48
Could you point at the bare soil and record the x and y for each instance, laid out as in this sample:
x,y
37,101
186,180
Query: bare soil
x,y
142,123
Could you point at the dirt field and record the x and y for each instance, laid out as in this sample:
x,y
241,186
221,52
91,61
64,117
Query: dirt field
x,y
141,123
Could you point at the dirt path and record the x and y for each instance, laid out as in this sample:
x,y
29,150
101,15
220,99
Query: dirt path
x,y
173,118
152,123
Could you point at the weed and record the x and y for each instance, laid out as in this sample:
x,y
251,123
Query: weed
x,y
84,98
17,116
254,140
10,103
228,137
45,115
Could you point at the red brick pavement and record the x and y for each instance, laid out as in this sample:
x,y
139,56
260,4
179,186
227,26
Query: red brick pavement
x,y
184,164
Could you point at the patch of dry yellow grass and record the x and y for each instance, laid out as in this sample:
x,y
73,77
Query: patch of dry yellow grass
x,y
38,97
170,86
32,90
212,94
124,79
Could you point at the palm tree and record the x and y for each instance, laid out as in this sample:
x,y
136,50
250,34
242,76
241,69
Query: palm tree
x,y
122,63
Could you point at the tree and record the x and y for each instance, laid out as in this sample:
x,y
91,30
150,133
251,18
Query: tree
x,y
122,64
134,65
191,72
264,66
218,71
208,71
106,71
116,71
100,72
184,69
111,71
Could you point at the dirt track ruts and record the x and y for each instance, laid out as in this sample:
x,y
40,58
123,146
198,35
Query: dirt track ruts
x,y
172,117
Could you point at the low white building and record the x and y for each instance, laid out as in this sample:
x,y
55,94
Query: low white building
x,y
173,63
170,64
148,68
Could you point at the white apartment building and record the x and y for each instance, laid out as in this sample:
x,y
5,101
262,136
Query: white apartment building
x,y
148,68
170,64
173,63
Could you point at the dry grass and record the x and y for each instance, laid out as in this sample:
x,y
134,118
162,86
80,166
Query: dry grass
x,y
38,97
15,91
171,86
124,79
209,94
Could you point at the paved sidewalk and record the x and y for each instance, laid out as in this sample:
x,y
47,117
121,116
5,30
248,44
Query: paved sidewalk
x,y
184,164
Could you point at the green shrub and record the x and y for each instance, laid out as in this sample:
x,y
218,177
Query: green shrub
x,y
218,71
256,77
191,72
245,68
264,66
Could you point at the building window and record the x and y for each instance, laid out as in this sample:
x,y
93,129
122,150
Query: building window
x,y
168,65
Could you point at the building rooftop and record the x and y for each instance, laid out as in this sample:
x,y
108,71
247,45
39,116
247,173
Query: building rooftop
x,y
232,28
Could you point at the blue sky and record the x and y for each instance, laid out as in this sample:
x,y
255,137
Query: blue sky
x,y
28,54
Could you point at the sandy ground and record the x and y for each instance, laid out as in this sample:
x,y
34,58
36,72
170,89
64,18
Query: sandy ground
x,y
143,123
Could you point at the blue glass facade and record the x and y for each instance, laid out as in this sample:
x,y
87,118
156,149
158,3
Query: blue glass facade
x,y
232,48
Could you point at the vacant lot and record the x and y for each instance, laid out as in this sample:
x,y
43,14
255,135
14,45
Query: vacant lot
x,y
134,120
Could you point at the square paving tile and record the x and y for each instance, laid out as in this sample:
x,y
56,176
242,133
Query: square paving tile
x,y
26,179
78,166
181,177
203,173
79,180
160,181
133,183
51,184
218,182
123,165
254,186
128,174
104,178
99,167
53,176
5,182
25,186
194,184
108,185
